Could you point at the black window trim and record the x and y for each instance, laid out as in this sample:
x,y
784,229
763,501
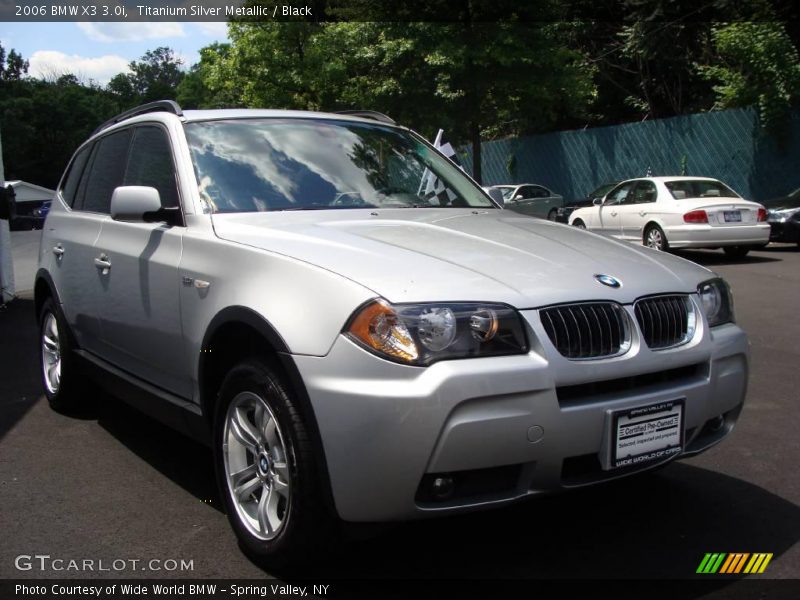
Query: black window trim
x,y
89,146
181,221
89,164
94,142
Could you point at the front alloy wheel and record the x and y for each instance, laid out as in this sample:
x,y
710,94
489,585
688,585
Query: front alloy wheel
x,y
256,468
267,470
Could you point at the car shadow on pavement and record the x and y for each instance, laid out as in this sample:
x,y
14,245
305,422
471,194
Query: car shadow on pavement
x,y
657,526
654,525
183,460
716,257
20,385
781,248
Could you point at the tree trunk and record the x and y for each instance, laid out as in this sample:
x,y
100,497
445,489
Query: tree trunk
x,y
475,135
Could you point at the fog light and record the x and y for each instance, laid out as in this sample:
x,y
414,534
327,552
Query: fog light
x,y
716,423
442,487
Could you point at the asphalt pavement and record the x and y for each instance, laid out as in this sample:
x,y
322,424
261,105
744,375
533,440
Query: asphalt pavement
x,y
113,484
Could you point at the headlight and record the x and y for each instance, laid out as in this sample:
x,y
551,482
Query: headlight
x,y
715,296
421,334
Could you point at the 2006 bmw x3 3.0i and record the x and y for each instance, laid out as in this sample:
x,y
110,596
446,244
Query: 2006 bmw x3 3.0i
x,y
291,288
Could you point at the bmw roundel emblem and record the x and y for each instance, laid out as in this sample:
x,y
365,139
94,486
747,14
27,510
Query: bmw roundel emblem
x,y
609,280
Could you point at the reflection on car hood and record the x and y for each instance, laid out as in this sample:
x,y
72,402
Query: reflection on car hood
x,y
410,255
784,211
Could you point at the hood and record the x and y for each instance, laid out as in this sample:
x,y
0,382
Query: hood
x,y
418,255
783,211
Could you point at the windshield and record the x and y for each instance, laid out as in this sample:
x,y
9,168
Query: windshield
x,y
699,188
255,165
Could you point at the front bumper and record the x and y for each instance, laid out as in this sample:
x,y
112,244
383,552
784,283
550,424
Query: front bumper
x,y
513,426
709,236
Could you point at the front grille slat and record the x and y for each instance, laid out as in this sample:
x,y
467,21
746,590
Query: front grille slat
x,y
587,330
664,320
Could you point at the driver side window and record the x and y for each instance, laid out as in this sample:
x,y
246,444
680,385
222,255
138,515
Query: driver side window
x,y
619,194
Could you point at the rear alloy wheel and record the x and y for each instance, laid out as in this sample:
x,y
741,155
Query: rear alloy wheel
x,y
654,238
58,368
265,466
579,224
736,251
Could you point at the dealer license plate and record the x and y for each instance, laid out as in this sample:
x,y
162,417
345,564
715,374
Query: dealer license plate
x,y
646,433
732,216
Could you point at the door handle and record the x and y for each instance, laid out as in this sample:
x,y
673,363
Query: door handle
x,y
58,250
642,213
102,262
613,214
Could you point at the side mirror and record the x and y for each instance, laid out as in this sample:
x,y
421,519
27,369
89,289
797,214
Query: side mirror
x,y
496,195
597,201
8,204
136,203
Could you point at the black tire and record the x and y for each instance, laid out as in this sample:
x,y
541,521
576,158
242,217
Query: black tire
x,y
306,526
736,252
654,237
579,224
70,394
552,215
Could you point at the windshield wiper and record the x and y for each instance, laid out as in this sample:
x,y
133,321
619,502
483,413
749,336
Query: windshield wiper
x,y
323,207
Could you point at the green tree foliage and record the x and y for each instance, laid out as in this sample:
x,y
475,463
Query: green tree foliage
x,y
155,76
193,91
473,79
12,67
758,65
43,122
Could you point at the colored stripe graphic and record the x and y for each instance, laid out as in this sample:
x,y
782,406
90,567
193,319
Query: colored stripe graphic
x,y
734,563
758,563
711,562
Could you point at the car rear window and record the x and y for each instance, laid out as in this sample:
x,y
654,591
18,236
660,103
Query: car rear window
x,y
699,188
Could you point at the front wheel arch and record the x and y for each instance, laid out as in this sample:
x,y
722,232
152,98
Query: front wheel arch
x,y
302,525
236,334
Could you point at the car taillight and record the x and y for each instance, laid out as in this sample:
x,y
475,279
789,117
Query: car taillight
x,y
695,216
762,214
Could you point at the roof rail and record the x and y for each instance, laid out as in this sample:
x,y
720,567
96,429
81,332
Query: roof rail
x,y
368,114
169,106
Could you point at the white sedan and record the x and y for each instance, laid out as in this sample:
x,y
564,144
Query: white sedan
x,y
678,212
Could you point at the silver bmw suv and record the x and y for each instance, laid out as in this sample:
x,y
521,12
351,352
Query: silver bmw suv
x,y
359,332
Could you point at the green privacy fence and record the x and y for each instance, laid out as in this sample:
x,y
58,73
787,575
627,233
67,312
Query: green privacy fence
x,y
727,145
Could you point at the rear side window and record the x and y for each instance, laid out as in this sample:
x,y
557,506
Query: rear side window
x,y
645,192
70,187
150,164
107,172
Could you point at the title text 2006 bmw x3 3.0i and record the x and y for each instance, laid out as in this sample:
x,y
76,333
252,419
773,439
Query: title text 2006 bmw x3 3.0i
x,y
281,284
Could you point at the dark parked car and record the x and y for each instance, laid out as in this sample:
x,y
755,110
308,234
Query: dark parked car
x,y
784,218
30,215
599,192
